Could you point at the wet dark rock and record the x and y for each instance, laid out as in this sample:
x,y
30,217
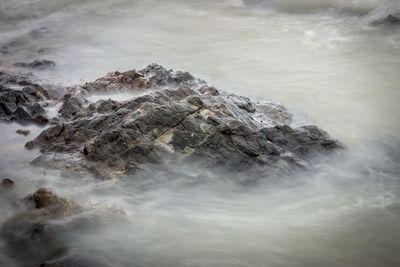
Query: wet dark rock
x,y
209,90
153,77
7,183
35,234
160,76
44,198
23,132
21,98
193,123
39,64
38,234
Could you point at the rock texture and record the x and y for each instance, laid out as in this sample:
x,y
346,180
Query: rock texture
x,y
177,117
22,98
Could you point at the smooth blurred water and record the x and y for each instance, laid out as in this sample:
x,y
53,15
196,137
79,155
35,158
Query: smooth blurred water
x,y
322,59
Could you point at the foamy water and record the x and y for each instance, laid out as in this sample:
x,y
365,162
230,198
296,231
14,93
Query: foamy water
x,y
321,59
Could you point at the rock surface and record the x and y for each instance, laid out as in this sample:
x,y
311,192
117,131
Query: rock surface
x,y
21,98
177,117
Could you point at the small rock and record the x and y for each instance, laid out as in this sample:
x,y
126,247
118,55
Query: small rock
x,y
7,183
209,90
23,132
390,20
39,64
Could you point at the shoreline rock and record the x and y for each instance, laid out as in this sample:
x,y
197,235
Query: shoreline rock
x,y
20,98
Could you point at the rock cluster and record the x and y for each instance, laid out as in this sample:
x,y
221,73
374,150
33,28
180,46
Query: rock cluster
x,y
20,98
177,117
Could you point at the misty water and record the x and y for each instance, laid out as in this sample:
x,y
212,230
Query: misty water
x,y
324,60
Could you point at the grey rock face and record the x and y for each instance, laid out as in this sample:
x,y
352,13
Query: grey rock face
x,y
19,97
23,97
179,118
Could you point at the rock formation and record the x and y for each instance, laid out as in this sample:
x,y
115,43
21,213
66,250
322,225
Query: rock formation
x,y
177,117
23,97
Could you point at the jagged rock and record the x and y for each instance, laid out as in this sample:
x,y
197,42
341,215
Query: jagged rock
x,y
20,98
209,90
195,124
160,76
39,64
152,77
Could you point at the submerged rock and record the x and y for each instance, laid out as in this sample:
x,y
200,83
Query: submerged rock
x,y
390,20
39,233
7,183
23,132
39,64
181,118
35,234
